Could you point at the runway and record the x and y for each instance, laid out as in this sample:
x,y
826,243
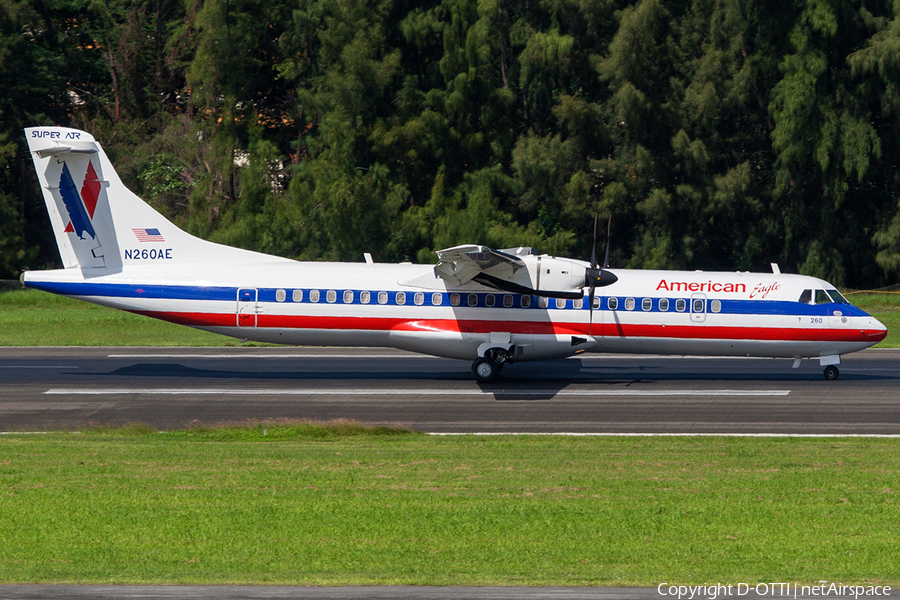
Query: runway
x,y
49,388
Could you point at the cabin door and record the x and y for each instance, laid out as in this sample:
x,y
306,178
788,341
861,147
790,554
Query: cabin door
x,y
246,307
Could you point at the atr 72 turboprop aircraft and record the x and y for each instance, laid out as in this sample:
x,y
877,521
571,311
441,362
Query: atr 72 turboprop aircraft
x,y
488,306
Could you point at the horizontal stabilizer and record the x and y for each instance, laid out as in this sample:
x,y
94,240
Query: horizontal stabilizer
x,y
58,150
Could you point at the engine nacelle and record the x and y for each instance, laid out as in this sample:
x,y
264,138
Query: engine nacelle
x,y
558,274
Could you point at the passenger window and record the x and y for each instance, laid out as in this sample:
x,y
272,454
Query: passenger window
x,y
313,295
629,303
489,300
280,295
560,303
663,304
805,297
507,301
612,303
473,300
419,298
348,296
436,299
578,304
646,304
697,305
597,302
822,297
382,297
454,299
330,296
715,306
365,297
543,302
400,297
680,305
297,296
526,301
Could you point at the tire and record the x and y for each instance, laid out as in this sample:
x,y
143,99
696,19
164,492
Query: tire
x,y
831,372
485,370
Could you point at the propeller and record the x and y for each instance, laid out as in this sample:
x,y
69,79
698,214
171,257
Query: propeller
x,y
595,276
608,230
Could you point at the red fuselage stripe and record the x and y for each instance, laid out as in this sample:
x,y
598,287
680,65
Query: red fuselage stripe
x,y
695,331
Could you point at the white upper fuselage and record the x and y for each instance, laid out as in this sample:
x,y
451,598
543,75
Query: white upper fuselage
x,y
408,306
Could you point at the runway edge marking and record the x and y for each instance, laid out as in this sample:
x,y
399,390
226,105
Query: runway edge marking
x,y
406,392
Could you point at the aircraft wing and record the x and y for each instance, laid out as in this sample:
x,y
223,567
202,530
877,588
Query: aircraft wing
x,y
461,264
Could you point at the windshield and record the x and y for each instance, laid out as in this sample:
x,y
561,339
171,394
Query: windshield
x,y
837,297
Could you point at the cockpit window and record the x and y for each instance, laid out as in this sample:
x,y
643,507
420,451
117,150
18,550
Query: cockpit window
x,y
837,297
822,297
805,297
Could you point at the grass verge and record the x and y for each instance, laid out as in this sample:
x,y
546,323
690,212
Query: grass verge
x,y
35,318
284,503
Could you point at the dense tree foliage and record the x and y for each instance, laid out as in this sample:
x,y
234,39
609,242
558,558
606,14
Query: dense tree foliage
x,y
717,134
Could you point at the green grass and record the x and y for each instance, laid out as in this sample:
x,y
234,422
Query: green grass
x,y
278,504
35,318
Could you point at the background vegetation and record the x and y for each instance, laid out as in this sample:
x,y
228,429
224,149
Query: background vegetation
x,y
716,133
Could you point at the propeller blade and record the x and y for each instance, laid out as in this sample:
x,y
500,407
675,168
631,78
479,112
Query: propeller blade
x,y
597,276
592,286
608,229
591,309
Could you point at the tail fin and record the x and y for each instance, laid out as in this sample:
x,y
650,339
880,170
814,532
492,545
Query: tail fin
x,y
101,224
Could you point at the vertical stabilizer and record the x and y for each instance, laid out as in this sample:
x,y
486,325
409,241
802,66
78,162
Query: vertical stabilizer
x,y
100,225
71,176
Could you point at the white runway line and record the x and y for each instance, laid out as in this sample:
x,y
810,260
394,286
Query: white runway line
x,y
300,354
344,356
37,367
404,392
749,435
582,434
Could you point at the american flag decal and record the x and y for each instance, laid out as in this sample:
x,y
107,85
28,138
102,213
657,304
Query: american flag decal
x,y
150,234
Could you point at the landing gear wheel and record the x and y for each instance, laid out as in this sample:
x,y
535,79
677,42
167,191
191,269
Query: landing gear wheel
x,y
831,372
485,370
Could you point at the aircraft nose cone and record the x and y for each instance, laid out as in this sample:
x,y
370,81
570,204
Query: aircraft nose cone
x,y
882,329
875,330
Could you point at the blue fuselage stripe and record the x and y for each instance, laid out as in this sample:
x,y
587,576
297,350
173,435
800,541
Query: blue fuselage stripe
x,y
270,295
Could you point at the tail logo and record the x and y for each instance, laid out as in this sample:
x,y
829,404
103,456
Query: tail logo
x,y
80,206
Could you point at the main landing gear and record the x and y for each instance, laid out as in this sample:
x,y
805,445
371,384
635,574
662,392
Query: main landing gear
x,y
487,368
831,372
